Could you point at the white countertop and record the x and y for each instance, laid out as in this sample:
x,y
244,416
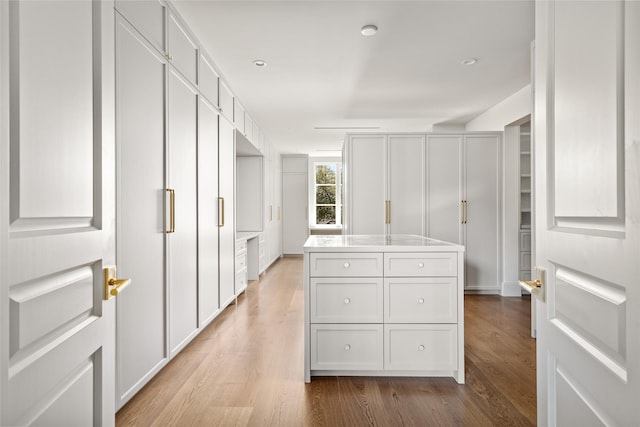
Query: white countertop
x,y
246,235
378,243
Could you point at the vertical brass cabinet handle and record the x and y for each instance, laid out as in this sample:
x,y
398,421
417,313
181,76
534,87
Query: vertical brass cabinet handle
x,y
461,211
172,210
464,211
387,211
221,211
270,212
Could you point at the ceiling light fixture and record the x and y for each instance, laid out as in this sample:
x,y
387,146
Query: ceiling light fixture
x,y
260,63
469,61
369,30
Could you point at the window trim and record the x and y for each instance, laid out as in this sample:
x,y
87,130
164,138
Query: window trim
x,y
318,161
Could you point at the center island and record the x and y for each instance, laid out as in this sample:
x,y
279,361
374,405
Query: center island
x,y
383,305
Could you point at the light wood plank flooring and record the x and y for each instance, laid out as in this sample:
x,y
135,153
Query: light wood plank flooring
x,y
246,369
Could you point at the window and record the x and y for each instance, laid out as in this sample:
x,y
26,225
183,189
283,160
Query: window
x,y
327,200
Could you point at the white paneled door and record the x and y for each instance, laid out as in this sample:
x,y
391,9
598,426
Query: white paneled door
x,y
57,212
587,197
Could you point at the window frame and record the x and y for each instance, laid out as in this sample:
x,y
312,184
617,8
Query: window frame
x,y
314,162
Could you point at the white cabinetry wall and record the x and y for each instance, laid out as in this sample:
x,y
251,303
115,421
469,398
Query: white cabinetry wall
x,y
294,204
141,347
443,186
175,191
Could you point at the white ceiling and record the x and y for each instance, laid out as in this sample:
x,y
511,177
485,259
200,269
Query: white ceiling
x,y
322,72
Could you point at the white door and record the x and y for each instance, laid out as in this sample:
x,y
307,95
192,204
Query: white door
x,y
57,213
481,212
141,312
406,184
208,302
444,187
182,228
294,205
587,201
227,160
366,185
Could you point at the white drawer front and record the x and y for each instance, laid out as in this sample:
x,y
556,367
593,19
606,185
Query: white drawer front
x,y
423,300
346,347
345,265
241,247
420,347
345,300
241,262
420,264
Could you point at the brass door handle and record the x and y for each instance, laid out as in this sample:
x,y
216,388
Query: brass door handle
x,y
532,286
172,210
464,218
113,286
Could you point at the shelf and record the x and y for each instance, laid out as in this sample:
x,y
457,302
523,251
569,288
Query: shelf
x,y
525,227
526,191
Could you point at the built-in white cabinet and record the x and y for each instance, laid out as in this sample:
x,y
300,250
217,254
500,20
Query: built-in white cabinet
x,y
182,49
226,222
148,17
175,159
208,80
181,220
226,101
208,215
238,117
295,219
140,111
385,180
443,186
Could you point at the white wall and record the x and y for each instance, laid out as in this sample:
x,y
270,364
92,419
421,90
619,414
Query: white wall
x,y
505,112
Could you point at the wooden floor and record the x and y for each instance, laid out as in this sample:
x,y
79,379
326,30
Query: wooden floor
x,y
246,369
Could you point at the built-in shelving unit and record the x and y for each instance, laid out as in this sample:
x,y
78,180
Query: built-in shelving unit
x,y
525,201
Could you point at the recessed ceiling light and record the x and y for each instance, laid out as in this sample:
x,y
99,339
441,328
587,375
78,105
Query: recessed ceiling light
x,y
469,61
260,63
369,30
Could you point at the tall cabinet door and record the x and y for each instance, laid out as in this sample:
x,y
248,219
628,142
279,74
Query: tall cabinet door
x,y
482,216
208,302
182,227
227,160
366,184
406,184
444,187
141,321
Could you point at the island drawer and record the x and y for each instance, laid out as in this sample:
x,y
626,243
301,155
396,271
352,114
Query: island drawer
x,y
331,264
421,300
346,300
347,347
421,347
436,264
241,247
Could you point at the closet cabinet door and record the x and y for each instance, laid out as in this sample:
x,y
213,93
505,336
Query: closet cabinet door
x,y
227,160
208,302
148,17
183,51
406,184
141,321
482,219
366,184
182,248
208,80
444,187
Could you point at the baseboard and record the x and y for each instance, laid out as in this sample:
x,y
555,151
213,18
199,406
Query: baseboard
x,y
511,289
